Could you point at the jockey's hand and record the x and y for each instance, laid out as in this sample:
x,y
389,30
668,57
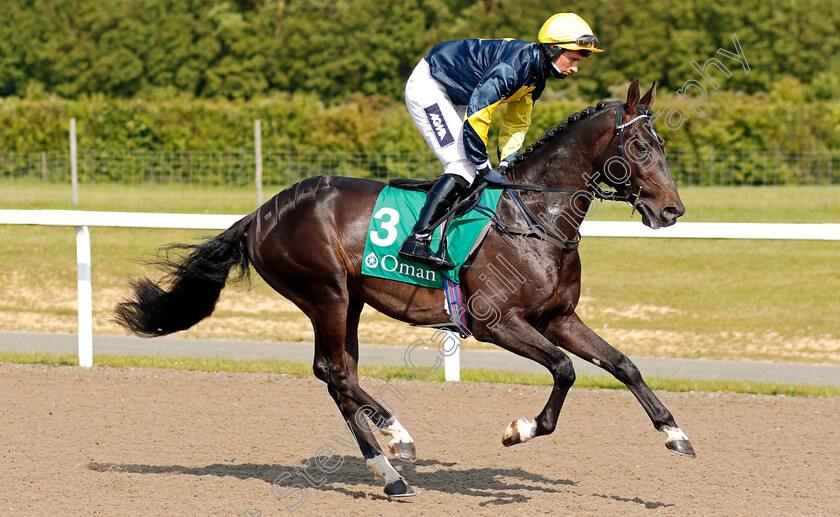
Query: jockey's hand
x,y
503,167
490,176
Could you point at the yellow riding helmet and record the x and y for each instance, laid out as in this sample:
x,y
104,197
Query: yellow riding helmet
x,y
568,31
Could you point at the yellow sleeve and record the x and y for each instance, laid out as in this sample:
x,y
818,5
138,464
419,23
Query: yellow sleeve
x,y
515,125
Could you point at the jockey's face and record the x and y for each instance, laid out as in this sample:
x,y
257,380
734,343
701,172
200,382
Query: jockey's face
x,y
567,61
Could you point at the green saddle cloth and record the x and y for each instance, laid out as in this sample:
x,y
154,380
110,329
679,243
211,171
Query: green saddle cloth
x,y
393,218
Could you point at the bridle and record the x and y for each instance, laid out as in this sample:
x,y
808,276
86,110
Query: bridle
x,y
617,195
628,195
599,193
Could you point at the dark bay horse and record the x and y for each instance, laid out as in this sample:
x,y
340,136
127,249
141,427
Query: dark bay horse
x,y
307,243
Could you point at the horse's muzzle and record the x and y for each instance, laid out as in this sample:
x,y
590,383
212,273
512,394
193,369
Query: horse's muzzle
x,y
666,216
670,213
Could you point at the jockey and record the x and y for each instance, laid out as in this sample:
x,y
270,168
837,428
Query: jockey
x,y
452,94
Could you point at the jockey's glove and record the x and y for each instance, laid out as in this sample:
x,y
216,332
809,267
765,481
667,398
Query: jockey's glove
x,y
489,175
503,167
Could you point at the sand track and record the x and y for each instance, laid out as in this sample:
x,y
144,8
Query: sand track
x,y
108,441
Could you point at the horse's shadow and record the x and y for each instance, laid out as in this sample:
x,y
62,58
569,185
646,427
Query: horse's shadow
x,y
495,486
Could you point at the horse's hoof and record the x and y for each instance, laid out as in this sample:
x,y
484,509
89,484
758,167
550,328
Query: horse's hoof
x,y
404,451
399,488
681,447
518,431
677,441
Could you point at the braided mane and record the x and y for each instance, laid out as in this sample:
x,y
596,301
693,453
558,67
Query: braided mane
x,y
559,128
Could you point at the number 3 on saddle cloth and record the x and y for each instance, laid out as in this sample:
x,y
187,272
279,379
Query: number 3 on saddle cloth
x,y
394,216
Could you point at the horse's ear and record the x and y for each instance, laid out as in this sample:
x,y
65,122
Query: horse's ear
x,y
647,100
632,97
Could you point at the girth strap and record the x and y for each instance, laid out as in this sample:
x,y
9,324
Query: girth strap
x,y
536,227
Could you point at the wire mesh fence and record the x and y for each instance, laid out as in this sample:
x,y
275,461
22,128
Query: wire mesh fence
x,y
755,167
212,168
225,168
230,173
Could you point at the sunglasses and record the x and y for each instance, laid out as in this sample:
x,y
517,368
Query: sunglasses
x,y
586,41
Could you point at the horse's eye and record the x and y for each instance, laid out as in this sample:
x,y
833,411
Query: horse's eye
x,y
642,148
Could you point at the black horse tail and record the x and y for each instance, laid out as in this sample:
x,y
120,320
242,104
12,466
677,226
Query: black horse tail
x,y
195,277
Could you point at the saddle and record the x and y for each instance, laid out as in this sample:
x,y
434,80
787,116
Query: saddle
x,y
410,184
469,201
459,322
466,202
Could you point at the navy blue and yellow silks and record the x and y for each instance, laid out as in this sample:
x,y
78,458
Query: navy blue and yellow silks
x,y
481,75
394,216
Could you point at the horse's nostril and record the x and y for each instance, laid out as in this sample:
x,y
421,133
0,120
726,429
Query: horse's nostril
x,y
670,213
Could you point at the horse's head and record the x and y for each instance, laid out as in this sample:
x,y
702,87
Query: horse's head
x,y
633,162
620,144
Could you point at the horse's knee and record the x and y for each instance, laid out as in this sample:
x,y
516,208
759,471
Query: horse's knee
x,y
340,379
563,370
627,372
321,369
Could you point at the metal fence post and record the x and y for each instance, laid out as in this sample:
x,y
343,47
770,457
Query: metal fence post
x,y
74,167
258,161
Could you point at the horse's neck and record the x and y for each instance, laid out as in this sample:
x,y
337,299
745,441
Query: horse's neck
x,y
565,162
568,163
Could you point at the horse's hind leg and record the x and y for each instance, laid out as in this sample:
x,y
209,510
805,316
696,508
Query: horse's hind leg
x,y
400,443
377,463
338,369
573,335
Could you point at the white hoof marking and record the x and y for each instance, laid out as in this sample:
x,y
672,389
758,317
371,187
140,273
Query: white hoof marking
x,y
397,433
524,428
674,433
527,429
380,467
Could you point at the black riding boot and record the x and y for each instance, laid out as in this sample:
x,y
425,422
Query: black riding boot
x,y
442,196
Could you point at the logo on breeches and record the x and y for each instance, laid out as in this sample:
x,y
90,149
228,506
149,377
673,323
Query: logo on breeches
x,y
439,127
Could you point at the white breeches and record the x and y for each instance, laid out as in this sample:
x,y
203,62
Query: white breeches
x,y
439,120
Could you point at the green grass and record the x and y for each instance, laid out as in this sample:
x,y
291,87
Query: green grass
x,y
716,285
397,372
784,204
176,197
794,204
718,299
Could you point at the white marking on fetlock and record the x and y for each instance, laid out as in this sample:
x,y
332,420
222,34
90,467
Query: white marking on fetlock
x,y
527,429
380,467
674,433
398,434
520,431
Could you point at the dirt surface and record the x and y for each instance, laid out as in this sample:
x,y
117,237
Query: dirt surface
x,y
108,441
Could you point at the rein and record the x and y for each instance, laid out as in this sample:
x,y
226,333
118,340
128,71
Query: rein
x,y
599,193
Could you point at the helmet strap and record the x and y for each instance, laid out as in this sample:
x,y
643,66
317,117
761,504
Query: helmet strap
x,y
549,53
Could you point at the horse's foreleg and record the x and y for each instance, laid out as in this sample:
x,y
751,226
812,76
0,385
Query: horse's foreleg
x,y
573,335
518,336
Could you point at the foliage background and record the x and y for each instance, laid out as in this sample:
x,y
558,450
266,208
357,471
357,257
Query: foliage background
x,y
329,75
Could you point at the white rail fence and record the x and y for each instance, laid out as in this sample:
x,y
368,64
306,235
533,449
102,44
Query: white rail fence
x,y
81,221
